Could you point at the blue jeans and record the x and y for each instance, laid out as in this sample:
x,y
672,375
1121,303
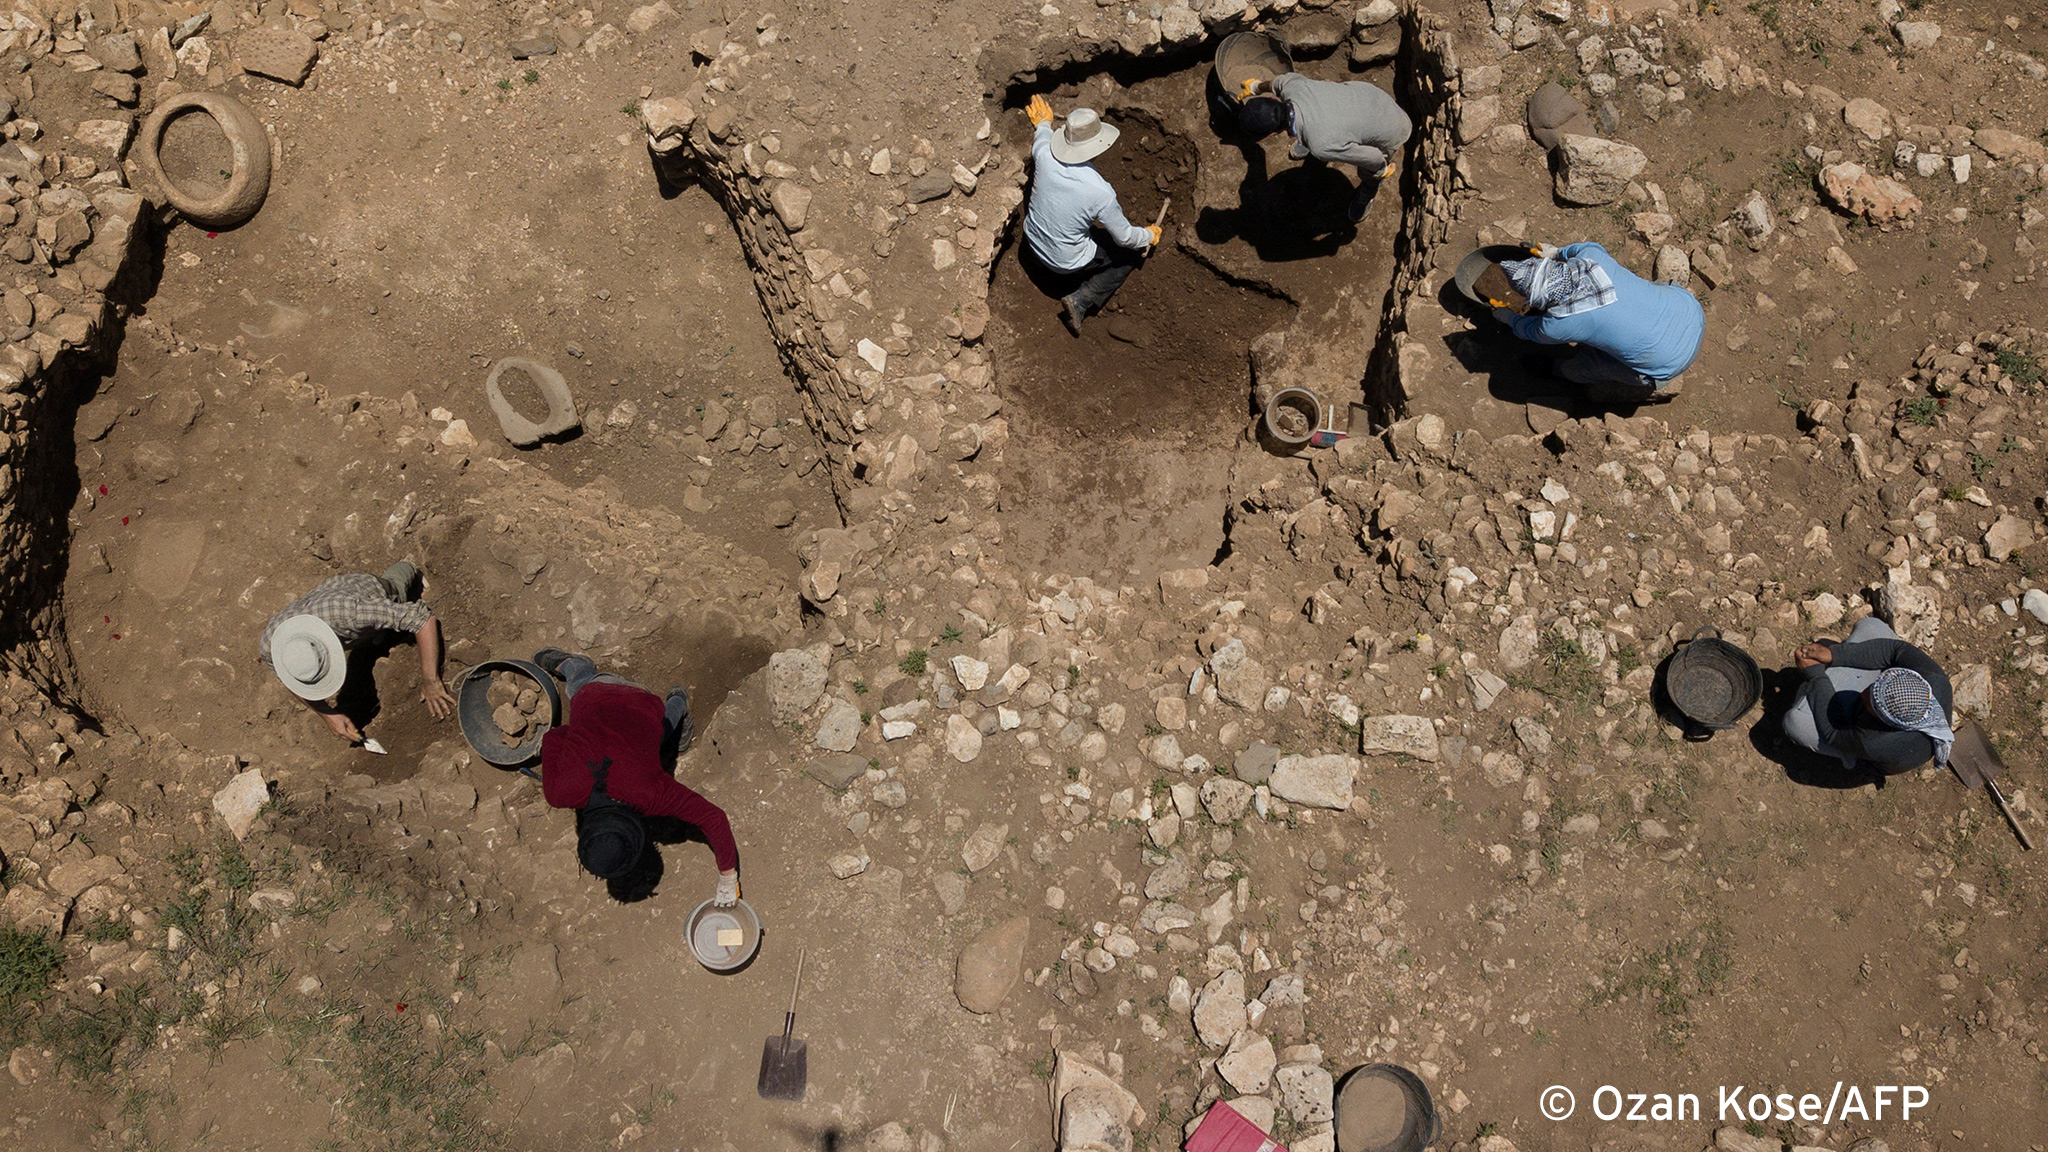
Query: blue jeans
x,y
579,671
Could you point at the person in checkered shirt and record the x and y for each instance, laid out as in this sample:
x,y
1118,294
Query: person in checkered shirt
x,y
306,644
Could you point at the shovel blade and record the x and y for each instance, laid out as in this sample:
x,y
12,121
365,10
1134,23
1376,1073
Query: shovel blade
x,y
1972,759
784,1070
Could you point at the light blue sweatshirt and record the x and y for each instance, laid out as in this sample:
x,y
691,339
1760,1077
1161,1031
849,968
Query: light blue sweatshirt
x,y
1067,201
1653,328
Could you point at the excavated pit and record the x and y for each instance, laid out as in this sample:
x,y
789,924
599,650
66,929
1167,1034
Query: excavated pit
x,y
1124,424
1136,429
257,435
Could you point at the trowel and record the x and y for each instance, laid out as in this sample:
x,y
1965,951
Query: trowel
x,y
370,744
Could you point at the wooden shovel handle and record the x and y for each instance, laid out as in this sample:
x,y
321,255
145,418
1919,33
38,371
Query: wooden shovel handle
x,y
798,983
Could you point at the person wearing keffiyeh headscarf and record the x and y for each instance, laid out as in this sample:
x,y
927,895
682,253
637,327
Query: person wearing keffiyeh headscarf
x,y
1634,338
1873,700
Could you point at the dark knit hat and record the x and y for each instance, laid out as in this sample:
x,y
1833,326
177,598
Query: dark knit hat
x,y
1262,116
609,839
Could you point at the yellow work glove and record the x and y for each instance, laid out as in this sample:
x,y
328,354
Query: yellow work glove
x,y
1387,173
1039,111
1250,89
1156,233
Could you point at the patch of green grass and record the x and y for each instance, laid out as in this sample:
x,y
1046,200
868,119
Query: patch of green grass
x,y
105,930
914,663
632,108
949,635
1672,978
532,76
1568,673
1073,675
1921,410
505,84
92,1040
29,961
1955,492
860,687
2022,366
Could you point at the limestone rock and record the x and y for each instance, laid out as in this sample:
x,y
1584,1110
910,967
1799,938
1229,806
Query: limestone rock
x,y
991,965
1255,764
1868,117
971,673
796,680
2008,535
73,878
1318,781
278,53
1240,679
1916,35
847,865
1595,171
2000,144
1095,1112
963,739
1913,610
1226,799
110,136
1972,686
1399,736
951,888
1169,879
792,204
240,799
836,772
2036,604
1518,644
1879,199
1307,1092
1248,1064
840,728
1673,265
983,846
1219,1008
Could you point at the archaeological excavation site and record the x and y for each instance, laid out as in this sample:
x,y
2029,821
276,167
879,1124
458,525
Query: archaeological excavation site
x,y
1234,575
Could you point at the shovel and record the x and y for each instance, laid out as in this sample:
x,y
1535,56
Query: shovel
x,y
783,1070
1977,765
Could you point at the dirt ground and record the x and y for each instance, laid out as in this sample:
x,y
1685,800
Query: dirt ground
x,y
1030,597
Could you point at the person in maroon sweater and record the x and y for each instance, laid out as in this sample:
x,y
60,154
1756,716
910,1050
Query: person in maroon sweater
x,y
606,763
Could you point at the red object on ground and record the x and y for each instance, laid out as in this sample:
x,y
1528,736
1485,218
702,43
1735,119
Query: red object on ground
x,y
624,723
1223,1129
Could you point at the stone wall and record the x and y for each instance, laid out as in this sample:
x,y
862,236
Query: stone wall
x,y
1427,75
63,338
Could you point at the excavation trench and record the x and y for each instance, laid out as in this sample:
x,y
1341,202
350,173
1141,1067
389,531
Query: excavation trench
x,y
1130,436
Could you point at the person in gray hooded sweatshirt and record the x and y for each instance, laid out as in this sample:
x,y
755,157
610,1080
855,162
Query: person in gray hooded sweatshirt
x,y
1338,123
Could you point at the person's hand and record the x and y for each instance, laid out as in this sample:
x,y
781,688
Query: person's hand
x,y
728,892
435,695
1387,173
343,727
1809,655
1156,232
1039,111
1249,89
1502,313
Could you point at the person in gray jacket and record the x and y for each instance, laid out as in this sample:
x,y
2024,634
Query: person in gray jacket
x,y
1873,700
1338,123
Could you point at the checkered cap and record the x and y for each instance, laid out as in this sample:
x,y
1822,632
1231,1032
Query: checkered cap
x,y
1902,698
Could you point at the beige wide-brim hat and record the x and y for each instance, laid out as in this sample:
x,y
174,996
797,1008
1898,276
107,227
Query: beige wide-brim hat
x,y
1083,137
307,655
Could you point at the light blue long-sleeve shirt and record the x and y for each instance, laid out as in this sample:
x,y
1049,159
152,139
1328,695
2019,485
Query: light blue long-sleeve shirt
x,y
1067,201
1653,328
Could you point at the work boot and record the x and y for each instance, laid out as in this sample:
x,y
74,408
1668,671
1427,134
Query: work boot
x,y
1072,312
1361,200
550,660
685,729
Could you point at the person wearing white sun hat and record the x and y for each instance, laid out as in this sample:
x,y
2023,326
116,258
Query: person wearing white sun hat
x,y
306,643
1070,200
